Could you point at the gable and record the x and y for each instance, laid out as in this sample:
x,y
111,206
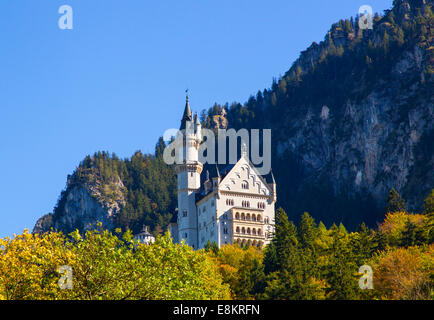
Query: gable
x,y
244,177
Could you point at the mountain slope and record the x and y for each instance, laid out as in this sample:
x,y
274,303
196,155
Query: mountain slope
x,y
352,118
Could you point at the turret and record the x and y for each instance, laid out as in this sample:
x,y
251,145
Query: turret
x,y
188,172
198,129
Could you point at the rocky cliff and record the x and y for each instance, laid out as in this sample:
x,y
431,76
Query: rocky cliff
x,y
83,204
352,118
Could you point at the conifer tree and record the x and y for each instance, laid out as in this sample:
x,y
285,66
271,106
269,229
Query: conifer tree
x,y
395,203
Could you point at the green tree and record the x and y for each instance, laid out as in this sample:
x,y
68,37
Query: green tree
x,y
341,269
395,203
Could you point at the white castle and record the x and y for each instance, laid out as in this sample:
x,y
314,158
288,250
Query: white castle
x,y
233,204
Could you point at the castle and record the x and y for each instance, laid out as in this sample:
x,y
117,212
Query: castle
x,y
225,204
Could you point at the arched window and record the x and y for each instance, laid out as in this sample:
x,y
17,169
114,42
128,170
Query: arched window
x,y
259,232
243,230
248,217
254,231
253,217
261,205
245,185
237,216
243,217
238,229
248,230
259,218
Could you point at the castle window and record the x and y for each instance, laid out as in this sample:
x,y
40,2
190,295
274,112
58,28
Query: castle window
x,y
253,217
185,235
238,230
212,203
245,204
243,230
261,205
225,230
245,185
184,213
237,216
259,218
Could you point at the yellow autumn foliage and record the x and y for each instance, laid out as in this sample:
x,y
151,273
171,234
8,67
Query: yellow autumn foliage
x,y
405,274
394,224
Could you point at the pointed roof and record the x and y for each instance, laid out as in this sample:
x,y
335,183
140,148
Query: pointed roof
x,y
196,119
188,115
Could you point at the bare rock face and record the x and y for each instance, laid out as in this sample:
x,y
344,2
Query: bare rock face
x,y
83,210
375,145
83,206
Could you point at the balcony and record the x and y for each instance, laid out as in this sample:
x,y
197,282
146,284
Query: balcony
x,y
247,216
248,227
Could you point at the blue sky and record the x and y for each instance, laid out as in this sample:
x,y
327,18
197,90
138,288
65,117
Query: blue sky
x,y
116,81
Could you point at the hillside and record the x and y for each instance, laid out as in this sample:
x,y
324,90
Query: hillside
x,y
124,193
351,119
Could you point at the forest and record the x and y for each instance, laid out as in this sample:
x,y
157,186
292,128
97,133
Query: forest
x,y
306,261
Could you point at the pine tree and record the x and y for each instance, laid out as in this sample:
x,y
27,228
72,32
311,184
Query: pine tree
x,y
307,231
410,234
429,212
342,268
285,237
395,203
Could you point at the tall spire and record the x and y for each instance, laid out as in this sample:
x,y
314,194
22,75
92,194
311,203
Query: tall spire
x,y
188,115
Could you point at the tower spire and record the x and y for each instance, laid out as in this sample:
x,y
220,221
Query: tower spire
x,y
188,115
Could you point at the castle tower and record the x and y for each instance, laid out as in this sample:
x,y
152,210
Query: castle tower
x,y
188,173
